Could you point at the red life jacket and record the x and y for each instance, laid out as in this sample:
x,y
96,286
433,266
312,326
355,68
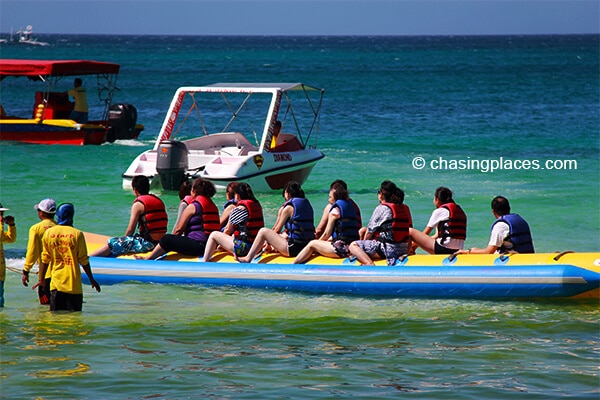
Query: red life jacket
x,y
210,214
254,223
456,225
401,221
154,220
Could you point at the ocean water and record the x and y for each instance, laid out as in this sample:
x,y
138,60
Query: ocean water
x,y
483,103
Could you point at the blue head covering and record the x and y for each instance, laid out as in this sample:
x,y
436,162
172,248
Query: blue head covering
x,y
64,214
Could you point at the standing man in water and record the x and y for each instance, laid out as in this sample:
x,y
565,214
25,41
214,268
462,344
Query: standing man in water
x,y
64,250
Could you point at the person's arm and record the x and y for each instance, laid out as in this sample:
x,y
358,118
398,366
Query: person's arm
x,y
137,209
283,215
490,249
323,222
499,232
182,222
11,235
41,275
88,271
333,217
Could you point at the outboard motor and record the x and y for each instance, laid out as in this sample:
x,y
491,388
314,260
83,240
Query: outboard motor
x,y
171,163
122,119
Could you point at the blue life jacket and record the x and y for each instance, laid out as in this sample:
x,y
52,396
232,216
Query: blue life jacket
x,y
519,238
301,226
346,227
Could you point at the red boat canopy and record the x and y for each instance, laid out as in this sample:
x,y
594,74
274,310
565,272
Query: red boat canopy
x,y
36,68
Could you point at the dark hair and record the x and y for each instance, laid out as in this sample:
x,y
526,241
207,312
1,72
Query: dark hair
x,y
77,82
294,189
185,189
231,189
444,195
204,187
339,191
141,184
340,182
500,205
391,193
245,191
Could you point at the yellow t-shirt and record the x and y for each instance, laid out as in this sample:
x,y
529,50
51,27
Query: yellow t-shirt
x,y
80,97
64,249
34,244
5,237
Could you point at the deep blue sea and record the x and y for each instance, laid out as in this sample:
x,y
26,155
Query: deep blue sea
x,y
495,105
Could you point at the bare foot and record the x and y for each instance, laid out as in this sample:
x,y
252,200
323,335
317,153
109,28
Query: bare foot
x,y
140,257
241,259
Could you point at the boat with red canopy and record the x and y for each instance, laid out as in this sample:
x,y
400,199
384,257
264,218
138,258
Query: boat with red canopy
x,y
49,122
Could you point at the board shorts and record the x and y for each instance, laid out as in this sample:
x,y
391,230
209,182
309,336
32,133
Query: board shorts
x,y
439,249
391,252
241,248
295,247
129,244
341,248
65,301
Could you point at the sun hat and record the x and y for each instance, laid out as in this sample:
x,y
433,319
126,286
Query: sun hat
x,y
3,208
47,205
64,214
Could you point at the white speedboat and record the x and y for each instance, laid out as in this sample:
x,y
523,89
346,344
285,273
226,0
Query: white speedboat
x,y
225,133
26,37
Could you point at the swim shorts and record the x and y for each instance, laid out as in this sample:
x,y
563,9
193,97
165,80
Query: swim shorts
x,y
341,248
439,249
65,301
390,251
294,248
241,248
129,244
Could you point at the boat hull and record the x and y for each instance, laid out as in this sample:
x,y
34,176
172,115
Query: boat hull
x,y
51,132
520,276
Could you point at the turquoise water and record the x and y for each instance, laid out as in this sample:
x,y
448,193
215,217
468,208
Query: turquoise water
x,y
388,100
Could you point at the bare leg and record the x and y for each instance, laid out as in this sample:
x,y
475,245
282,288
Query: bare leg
x,y
423,240
103,251
360,254
271,237
322,247
157,252
217,238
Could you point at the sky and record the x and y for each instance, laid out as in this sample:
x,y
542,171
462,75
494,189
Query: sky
x,y
302,17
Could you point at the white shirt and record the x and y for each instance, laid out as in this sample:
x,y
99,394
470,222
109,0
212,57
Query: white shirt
x,y
443,214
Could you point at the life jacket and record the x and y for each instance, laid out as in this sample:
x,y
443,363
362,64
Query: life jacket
x,y
300,226
228,203
398,226
519,238
154,219
250,229
188,199
206,218
357,209
456,224
346,227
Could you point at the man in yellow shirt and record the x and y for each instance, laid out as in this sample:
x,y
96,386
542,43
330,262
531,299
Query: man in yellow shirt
x,y
46,210
5,237
64,249
80,109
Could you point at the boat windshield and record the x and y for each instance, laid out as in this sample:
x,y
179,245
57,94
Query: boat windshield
x,y
204,113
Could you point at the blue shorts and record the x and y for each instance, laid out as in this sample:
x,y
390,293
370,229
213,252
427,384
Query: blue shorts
x,y
129,244
241,248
